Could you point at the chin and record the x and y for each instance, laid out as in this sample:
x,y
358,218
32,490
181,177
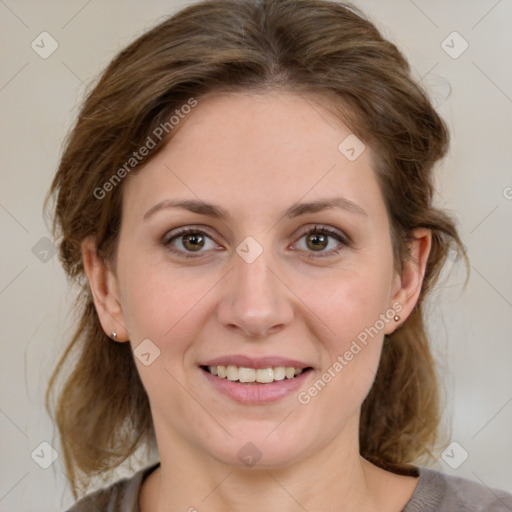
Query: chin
x,y
258,452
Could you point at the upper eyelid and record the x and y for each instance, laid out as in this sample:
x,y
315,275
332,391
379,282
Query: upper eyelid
x,y
320,227
175,233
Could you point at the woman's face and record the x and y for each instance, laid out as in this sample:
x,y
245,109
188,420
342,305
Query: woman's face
x,y
266,276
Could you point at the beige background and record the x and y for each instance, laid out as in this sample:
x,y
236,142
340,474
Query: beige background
x,y
471,329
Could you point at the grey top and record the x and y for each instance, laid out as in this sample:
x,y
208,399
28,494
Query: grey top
x,y
435,492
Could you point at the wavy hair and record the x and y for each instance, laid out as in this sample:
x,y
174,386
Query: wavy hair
x,y
101,409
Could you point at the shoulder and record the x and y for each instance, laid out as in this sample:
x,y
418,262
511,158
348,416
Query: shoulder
x,y
121,496
446,493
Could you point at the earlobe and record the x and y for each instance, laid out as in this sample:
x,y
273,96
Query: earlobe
x,y
103,284
410,282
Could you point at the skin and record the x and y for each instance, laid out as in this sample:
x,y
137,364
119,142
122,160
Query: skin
x,y
256,155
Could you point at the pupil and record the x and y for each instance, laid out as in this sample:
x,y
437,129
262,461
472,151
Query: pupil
x,y
194,240
318,241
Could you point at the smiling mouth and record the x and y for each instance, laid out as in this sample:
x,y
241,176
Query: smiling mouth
x,y
245,375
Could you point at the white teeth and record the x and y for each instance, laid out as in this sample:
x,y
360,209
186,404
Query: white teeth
x,y
264,375
246,374
261,375
279,373
232,372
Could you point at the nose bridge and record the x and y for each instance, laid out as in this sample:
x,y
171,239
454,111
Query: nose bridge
x,y
256,301
254,279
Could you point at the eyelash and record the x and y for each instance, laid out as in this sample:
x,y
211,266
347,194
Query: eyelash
x,y
343,239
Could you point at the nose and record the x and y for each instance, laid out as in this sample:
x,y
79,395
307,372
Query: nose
x,y
255,300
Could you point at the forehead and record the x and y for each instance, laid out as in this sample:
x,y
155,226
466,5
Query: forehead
x,y
267,128
251,150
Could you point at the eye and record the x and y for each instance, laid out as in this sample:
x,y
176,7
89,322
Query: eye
x,y
189,240
319,238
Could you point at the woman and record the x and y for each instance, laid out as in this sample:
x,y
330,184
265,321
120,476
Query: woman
x,y
246,200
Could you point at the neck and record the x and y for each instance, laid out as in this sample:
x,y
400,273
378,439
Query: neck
x,y
331,478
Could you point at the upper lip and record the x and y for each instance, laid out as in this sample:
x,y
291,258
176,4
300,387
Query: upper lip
x,y
255,362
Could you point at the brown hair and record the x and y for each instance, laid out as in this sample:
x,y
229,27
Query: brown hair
x,y
102,411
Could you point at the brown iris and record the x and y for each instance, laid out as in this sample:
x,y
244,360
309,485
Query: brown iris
x,y
317,241
193,241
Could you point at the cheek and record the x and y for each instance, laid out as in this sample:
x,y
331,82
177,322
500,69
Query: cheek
x,y
351,300
352,304
161,303
352,309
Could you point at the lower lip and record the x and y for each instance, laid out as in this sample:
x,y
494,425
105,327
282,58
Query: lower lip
x,y
256,394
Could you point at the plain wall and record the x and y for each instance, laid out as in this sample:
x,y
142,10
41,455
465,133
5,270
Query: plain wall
x,y
471,328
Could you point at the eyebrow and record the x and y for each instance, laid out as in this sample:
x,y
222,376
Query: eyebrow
x,y
217,212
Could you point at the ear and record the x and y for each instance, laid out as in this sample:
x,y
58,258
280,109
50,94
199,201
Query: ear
x,y
407,286
104,287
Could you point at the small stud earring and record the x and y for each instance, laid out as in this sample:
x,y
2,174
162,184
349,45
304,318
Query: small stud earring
x,y
396,318
114,335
